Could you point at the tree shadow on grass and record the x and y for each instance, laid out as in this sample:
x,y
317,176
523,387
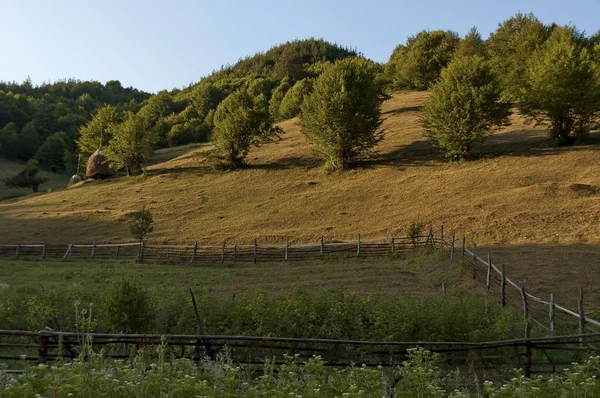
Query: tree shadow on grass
x,y
406,109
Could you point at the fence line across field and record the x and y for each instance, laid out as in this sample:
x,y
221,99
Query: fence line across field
x,y
534,355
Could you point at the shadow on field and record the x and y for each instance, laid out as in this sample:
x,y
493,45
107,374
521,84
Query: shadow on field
x,y
406,109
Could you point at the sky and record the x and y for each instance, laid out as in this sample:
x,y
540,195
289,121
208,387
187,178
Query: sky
x,y
156,45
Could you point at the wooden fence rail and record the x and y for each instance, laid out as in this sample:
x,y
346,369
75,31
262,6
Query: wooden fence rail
x,y
534,355
215,254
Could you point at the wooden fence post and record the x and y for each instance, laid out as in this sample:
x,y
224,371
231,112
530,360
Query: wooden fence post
x,y
464,247
44,251
489,272
393,246
452,247
17,251
442,237
287,246
527,365
444,289
68,252
141,255
93,249
358,247
43,349
223,251
551,314
117,254
431,237
234,252
581,315
255,249
474,261
503,286
321,248
194,253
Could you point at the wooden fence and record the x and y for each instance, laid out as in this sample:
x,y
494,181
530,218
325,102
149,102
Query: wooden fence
x,y
215,254
533,355
544,314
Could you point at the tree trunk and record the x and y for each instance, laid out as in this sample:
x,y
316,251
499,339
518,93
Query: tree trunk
x,y
35,188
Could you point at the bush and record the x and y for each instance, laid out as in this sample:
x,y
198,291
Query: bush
x,y
292,102
126,308
342,117
464,107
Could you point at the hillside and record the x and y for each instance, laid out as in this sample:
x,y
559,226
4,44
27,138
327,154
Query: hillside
x,y
9,168
519,193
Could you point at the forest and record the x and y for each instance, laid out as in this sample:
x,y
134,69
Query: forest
x,y
54,122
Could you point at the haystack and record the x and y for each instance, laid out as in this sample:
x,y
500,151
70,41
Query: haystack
x,y
74,180
97,166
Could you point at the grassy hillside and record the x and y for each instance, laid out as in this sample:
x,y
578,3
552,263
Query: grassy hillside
x,y
520,193
9,168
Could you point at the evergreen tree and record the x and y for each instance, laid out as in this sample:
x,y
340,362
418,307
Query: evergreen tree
x,y
131,144
241,121
342,116
26,178
464,107
9,140
28,142
471,45
563,86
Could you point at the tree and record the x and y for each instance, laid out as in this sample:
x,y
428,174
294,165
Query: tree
x,y
291,103
471,45
342,116
464,107
28,142
563,86
131,144
51,155
515,40
9,140
276,99
26,178
99,131
418,64
241,122
141,224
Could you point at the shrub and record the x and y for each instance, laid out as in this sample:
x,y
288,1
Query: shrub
x,y
464,107
126,308
141,224
26,178
342,116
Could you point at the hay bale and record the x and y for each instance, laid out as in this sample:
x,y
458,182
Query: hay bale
x,y
97,166
74,180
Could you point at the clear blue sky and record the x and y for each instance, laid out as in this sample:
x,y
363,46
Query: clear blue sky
x,y
155,45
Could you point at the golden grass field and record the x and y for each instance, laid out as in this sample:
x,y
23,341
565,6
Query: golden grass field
x,y
517,197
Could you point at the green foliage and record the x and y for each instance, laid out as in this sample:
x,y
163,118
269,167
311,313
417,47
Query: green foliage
x,y
509,48
419,64
471,45
414,231
9,140
127,308
28,142
276,99
141,224
26,178
100,130
464,107
51,155
342,117
241,121
292,101
131,144
563,87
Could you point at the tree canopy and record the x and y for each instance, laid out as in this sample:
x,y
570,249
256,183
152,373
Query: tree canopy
x,y
341,118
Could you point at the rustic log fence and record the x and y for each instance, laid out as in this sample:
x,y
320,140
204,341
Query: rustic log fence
x,y
539,355
217,254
